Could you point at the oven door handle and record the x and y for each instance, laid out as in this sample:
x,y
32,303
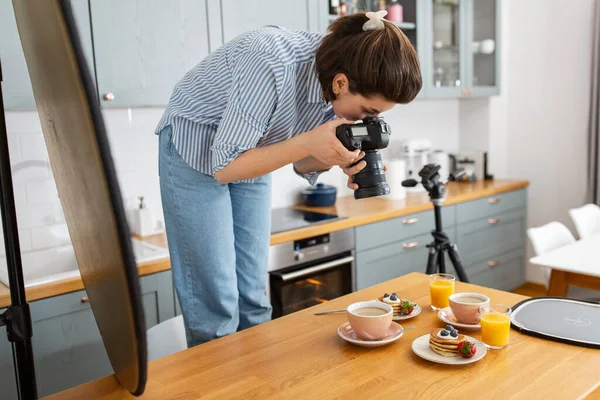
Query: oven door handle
x,y
317,268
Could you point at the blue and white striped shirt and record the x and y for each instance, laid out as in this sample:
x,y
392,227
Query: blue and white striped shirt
x,y
261,88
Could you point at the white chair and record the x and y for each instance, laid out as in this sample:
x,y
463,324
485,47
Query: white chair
x,y
548,237
166,338
586,220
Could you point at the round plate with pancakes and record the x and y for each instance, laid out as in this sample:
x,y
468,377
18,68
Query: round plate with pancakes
x,y
397,317
445,349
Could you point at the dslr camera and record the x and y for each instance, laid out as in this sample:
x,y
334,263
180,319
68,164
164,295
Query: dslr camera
x,y
370,136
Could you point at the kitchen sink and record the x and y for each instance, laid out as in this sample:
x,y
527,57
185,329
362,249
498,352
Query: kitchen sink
x,y
55,264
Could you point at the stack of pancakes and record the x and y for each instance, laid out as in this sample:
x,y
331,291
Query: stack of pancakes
x,y
396,306
446,346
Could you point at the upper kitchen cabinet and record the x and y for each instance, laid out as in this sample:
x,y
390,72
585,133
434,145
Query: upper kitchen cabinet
x,y
483,35
16,86
462,43
242,16
446,68
143,47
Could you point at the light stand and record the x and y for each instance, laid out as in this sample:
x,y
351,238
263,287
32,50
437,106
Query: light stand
x,y
17,317
436,262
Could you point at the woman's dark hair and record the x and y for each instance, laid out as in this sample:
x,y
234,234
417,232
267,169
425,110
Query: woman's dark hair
x,y
378,62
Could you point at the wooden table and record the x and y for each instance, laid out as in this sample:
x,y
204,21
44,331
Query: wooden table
x,y
572,265
300,356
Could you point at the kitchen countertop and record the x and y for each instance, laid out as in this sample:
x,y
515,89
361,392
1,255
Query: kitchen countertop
x,y
357,212
300,356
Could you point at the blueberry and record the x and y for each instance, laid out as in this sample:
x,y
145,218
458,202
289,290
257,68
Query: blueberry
x,y
395,294
386,295
454,334
444,333
449,328
393,297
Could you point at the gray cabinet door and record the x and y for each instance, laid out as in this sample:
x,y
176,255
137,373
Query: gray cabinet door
x,y
8,387
67,346
483,45
242,16
157,297
16,86
144,47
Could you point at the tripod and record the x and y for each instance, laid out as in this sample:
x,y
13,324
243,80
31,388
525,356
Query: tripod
x,y
436,262
17,317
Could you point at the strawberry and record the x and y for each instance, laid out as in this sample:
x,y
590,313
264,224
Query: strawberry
x,y
467,349
406,307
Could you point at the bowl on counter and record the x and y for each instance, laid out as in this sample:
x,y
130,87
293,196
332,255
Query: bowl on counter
x,y
320,195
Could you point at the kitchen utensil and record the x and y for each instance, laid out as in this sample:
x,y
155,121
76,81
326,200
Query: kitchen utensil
x,y
415,152
395,174
320,195
475,164
330,312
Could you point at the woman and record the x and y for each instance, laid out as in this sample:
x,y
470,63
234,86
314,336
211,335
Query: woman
x,y
260,102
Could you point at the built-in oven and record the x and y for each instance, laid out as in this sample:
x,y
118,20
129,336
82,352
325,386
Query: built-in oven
x,y
306,272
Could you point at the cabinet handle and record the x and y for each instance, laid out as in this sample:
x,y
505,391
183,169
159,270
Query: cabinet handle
x,y
84,300
465,92
410,245
410,221
108,97
493,263
494,221
494,200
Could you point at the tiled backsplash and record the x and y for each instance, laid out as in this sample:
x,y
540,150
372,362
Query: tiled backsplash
x,y
134,149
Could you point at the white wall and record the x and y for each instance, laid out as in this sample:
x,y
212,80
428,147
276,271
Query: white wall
x,y
134,148
540,121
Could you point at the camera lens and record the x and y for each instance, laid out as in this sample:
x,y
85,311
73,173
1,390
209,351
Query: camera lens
x,y
371,180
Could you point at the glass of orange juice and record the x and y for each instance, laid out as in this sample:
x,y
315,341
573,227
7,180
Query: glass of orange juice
x,y
441,287
495,326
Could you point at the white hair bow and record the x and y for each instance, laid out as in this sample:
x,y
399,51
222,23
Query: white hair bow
x,y
375,20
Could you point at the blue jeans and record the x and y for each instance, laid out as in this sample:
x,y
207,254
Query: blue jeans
x,y
219,246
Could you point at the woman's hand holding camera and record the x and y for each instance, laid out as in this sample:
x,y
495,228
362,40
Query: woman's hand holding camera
x,y
323,144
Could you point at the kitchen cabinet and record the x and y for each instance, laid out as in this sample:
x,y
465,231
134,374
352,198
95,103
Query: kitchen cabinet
x,y
463,43
142,48
8,387
489,233
157,297
391,261
16,86
67,345
388,249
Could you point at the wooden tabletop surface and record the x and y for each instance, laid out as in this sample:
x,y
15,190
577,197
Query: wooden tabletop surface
x,y
357,213
300,356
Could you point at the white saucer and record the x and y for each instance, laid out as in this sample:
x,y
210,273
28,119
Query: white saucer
x,y
445,314
345,332
416,311
420,346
